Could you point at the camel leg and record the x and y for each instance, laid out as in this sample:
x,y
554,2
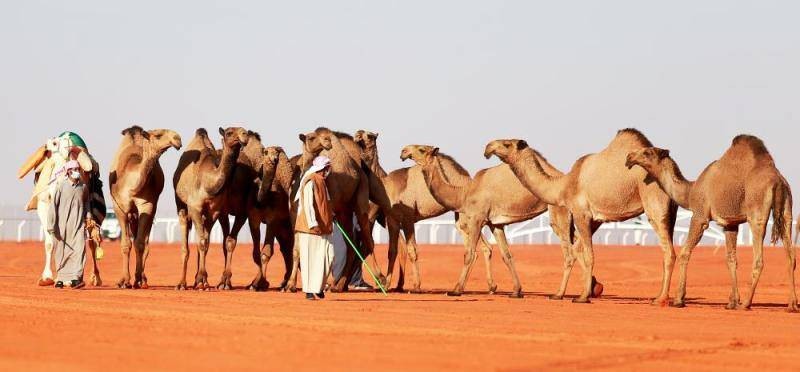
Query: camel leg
x,y
285,237
369,247
341,283
259,283
140,244
402,248
204,225
394,235
583,226
696,227
661,226
125,245
230,246
42,209
758,229
411,251
472,233
95,277
790,261
508,259
186,225
291,285
731,233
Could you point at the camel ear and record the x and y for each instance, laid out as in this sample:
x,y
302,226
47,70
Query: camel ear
x,y
522,144
302,137
358,135
279,149
221,131
662,153
435,151
375,135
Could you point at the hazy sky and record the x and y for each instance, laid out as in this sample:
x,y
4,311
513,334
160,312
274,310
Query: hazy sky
x,y
563,75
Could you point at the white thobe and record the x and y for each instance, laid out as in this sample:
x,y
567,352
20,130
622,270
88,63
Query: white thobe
x,y
316,251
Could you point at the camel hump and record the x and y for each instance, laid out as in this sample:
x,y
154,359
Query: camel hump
x,y
253,134
630,137
750,143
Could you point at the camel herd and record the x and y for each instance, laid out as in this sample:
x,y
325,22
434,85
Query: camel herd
x,y
254,184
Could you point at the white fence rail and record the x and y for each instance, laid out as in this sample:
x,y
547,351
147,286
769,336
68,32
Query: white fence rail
x,y
636,231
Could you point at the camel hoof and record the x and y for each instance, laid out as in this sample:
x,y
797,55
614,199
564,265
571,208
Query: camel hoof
x,y
454,294
124,284
95,280
493,289
597,288
180,287
745,308
791,309
580,300
731,306
516,295
663,302
556,297
416,291
679,305
259,286
46,282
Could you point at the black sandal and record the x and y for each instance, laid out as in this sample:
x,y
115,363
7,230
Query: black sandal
x,y
59,284
77,284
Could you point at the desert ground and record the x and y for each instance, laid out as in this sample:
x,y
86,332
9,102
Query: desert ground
x,y
163,329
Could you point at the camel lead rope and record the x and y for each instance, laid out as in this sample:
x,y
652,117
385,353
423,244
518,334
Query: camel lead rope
x,y
363,261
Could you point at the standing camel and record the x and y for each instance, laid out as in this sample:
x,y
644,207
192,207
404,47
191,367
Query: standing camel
x,y
349,190
136,181
272,207
201,184
405,199
493,198
599,188
742,186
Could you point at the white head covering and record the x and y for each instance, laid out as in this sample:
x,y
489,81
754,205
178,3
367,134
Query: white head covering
x,y
319,163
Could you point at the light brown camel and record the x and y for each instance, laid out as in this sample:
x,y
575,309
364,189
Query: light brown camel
x,y
405,199
742,186
136,181
201,185
494,198
599,188
349,191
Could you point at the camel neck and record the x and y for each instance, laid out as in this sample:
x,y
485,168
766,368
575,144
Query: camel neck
x,y
671,180
216,180
532,175
448,195
370,158
150,158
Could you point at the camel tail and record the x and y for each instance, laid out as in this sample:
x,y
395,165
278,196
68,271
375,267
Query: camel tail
x,y
782,214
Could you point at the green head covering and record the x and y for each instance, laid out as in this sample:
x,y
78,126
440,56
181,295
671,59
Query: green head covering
x,y
75,139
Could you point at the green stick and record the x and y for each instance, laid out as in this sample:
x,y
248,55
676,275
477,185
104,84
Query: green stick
x,y
363,261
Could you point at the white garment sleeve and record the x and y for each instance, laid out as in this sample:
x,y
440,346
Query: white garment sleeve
x,y
308,204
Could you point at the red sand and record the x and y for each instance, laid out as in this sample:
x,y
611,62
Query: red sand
x,y
162,329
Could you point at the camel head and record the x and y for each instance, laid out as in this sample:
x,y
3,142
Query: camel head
x,y
366,139
163,139
272,154
234,137
504,149
421,154
648,158
311,143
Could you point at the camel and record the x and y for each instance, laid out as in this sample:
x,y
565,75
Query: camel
x,y
405,199
493,198
202,183
46,163
136,181
349,191
599,188
253,163
742,186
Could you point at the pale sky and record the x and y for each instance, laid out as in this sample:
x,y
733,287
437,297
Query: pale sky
x,y
562,75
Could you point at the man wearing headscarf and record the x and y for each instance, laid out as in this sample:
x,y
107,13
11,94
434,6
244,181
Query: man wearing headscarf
x,y
67,216
314,227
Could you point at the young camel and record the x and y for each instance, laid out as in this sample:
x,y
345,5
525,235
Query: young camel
x,y
201,185
349,191
136,181
494,198
742,186
599,188
272,208
405,199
